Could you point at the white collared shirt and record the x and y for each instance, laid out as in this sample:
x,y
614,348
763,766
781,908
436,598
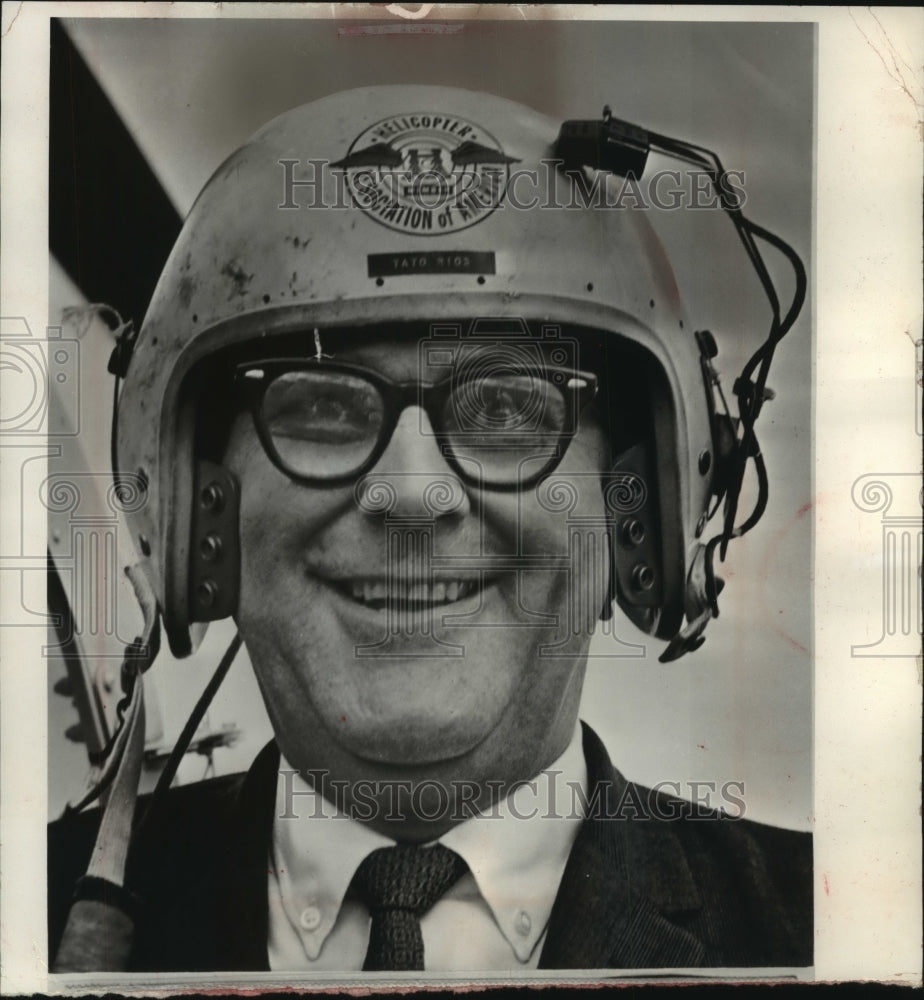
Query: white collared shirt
x,y
493,919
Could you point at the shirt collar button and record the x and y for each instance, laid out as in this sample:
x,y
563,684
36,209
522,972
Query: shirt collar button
x,y
523,923
310,918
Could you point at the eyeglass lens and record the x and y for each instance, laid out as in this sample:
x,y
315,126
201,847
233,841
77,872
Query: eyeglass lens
x,y
501,426
323,423
327,424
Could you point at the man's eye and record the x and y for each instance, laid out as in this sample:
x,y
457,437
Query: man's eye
x,y
516,404
306,407
501,406
329,409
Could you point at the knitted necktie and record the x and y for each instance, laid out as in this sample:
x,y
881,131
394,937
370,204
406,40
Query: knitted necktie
x,y
398,885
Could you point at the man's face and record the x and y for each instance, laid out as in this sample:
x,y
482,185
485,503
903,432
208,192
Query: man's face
x,y
485,581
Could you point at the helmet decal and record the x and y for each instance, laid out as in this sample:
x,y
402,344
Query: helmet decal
x,y
426,173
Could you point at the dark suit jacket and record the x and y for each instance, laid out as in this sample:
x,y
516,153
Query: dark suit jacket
x,y
640,890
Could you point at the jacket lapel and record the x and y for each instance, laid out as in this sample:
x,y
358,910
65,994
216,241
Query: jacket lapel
x,y
627,886
244,915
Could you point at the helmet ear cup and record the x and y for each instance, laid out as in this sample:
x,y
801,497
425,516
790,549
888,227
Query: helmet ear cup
x,y
637,571
214,555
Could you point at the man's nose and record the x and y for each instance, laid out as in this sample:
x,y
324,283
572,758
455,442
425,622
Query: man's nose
x,y
412,479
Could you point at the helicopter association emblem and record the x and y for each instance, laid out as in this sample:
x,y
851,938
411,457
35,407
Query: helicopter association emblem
x,y
426,173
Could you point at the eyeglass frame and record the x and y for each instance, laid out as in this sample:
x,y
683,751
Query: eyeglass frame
x,y
397,397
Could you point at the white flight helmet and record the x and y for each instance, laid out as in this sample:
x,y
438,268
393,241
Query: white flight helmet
x,y
409,204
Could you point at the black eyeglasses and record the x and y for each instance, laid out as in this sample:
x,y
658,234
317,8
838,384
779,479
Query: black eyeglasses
x,y
325,423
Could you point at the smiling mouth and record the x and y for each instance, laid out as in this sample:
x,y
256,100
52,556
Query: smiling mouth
x,y
411,596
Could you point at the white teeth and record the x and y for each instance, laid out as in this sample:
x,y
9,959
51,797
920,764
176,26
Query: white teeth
x,y
378,592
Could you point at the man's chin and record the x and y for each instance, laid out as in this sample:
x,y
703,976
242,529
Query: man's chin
x,y
400,741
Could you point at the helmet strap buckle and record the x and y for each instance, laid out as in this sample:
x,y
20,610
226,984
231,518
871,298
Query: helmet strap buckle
x,y
700,605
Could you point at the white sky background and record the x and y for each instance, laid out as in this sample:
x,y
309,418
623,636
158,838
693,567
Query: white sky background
x,y
867,711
